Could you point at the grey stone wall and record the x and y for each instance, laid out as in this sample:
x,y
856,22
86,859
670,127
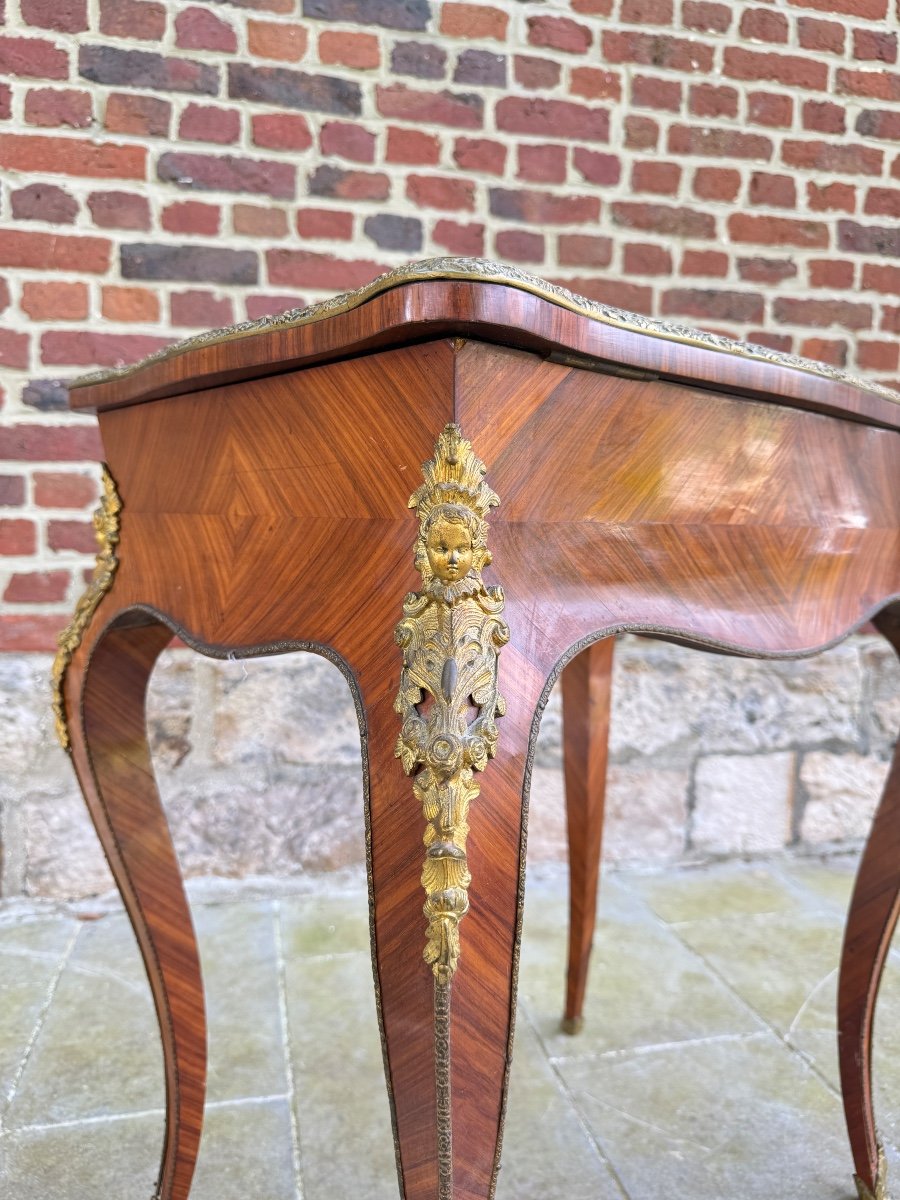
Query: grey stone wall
x,y
259,768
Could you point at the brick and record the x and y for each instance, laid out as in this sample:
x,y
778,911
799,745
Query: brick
x,y
87,348
595,84
390,14
349,185
71,156
32,58
711,304
712,263
282,87
44,202
706,17
789,310
647,12
597,167
50,443
480,154
876,85
65,16
463,110
206,123
198,29
270,39
712,100
190,216
662,219
17,537
28,632
559,33
12,491
200,310
4,300
537,208
825,350
77,536
868,10
879,123
347,141
831,156
599,8
830,197
641,133
359,51
657,50
829,273
119,210
791,70
779,191
474,21
392,232
130,305
115,67
718,143
431,191
228,173
455,238
142,116
538,117
869,239
777,231
423,60
875,45
827,36
537,74
270,306
631,296
878,278
764,25
883,202
46,395
37,587
306,268
52,108
823,116
584,250
890,320
64,489
659,177
253,220
542,164
412,146
5,102
481,68
54,300
54,252
763,337
519,245
140,19
188,264
645,259
770,109
13,349
877,356
325,223
649,92
280,131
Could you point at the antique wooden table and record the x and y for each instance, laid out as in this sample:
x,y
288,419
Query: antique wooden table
x,y
650,479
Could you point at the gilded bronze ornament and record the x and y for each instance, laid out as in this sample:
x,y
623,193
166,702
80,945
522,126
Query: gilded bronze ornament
x,y
106,531
450,635
881,1192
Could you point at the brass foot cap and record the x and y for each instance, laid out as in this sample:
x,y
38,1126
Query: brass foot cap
x,y
571,1025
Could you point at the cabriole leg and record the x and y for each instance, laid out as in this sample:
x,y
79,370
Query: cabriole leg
x,y
870,923
586,696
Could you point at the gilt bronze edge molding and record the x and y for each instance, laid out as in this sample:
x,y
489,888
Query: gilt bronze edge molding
x,y
484,271
881,1173
106,531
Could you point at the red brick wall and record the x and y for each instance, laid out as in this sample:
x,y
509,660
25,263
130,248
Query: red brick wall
x,y
172,165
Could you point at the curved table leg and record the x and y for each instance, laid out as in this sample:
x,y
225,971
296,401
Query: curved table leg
x,y
870,923
586,696
447,1049
111,756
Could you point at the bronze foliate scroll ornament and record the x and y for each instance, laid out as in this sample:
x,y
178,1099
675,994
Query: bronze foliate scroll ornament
x,y
451,635
106,531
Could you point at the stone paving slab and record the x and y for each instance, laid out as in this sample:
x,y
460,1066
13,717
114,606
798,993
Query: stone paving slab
x,y
706,1067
